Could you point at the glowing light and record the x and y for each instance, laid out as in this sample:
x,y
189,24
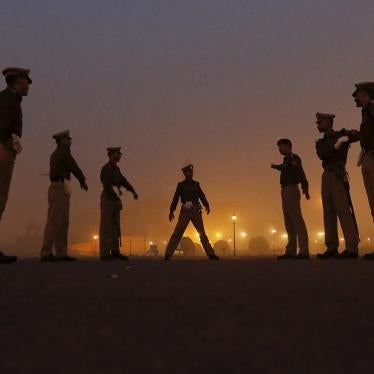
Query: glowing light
x,y
342,239
320,234
218,235
369,239
273,231
243,234
284,236
234,217
150,243
95,237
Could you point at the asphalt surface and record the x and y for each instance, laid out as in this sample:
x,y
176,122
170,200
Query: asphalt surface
x,y
183,316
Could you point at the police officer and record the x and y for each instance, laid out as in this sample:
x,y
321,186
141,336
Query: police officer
x,y
111,206
364,98
332,149
190,194
18,83
291,175
62,165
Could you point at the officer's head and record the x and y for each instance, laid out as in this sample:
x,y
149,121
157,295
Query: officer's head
x,y
363,94
284,146
325,122
63,138
18,79
114,155
188,171
64,141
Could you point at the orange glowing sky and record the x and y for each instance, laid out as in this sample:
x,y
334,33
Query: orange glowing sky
x,y
215,82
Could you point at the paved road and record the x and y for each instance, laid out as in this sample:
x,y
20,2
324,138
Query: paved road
x,y
183,316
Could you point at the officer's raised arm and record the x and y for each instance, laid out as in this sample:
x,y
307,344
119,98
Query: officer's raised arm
x,y
277,167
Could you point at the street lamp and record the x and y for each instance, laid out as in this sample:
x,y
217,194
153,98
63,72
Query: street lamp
x,y
234,229
95,238
273,232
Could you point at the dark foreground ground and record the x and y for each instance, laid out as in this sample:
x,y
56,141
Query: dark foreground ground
x,y
185,316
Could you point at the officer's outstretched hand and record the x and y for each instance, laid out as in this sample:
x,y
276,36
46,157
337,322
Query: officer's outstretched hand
x,y
84,186
171,216
135,195
207,209
307,196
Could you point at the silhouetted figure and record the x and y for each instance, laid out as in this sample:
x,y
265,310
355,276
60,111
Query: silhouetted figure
x,y
18,82
292,174
111,206
364,98
62,165
332,149
190,194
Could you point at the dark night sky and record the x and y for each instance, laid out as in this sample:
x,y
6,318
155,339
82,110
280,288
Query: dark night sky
x,y
214,82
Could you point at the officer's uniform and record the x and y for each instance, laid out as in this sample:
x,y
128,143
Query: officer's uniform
x,y
10,132
10,135
292,174
62,165
367,144
110,207
335,192
190,194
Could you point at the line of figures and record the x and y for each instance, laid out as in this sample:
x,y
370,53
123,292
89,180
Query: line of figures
x,y
332,149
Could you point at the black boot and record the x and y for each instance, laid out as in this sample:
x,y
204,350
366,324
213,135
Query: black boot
x,y
49,258
66,258
213,257
329,253
119,256
4,259
369,256
167,258
347,255
285,257
302,256
106,258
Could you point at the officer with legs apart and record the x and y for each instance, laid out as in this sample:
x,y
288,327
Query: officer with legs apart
x,y
190,194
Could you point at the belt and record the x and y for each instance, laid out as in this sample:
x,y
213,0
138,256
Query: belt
x,y
57,179
335,168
